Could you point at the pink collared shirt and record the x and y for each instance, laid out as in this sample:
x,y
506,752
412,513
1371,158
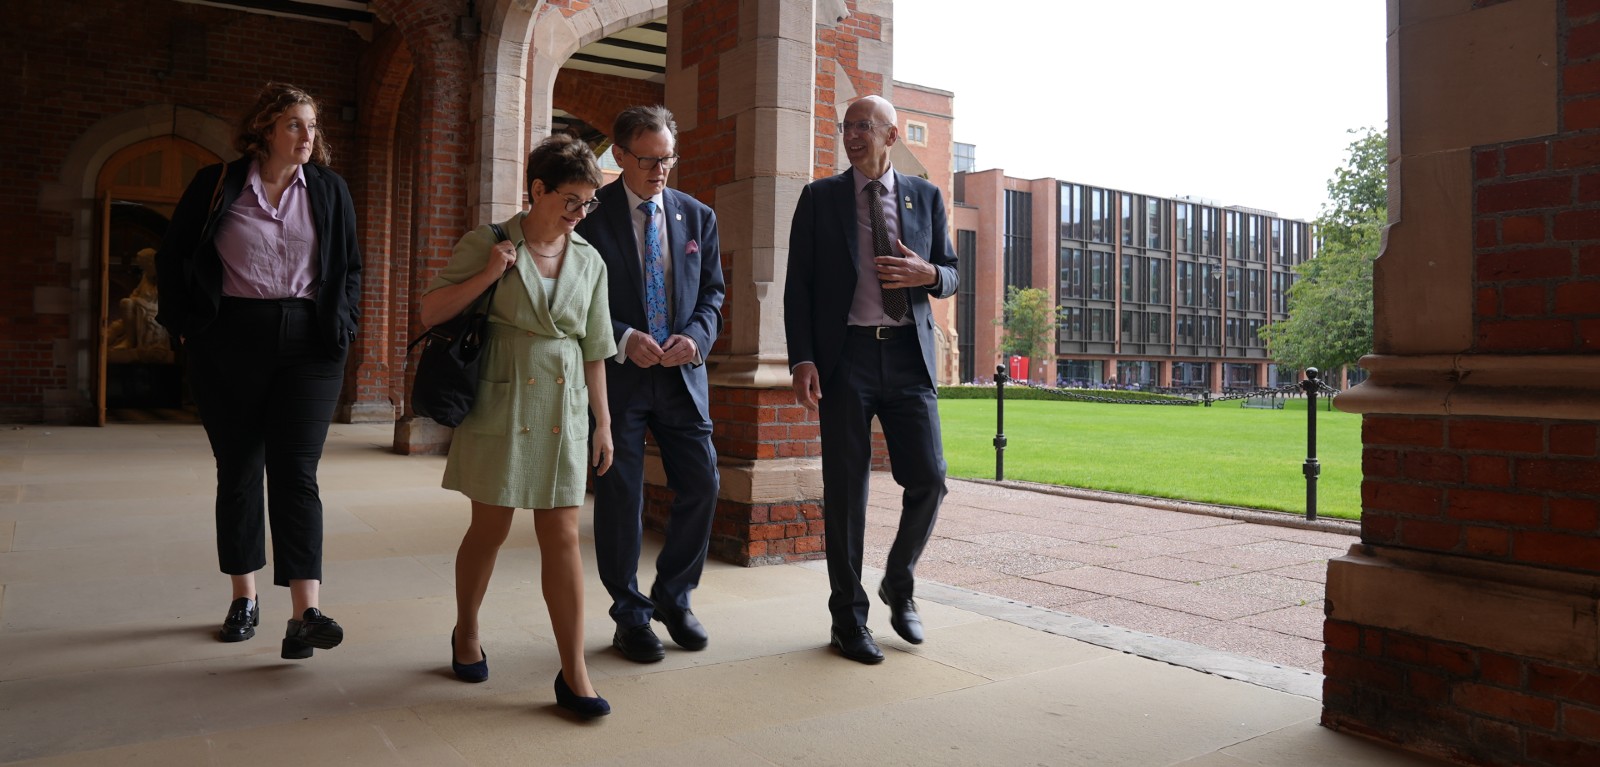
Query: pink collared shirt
x,y
269,252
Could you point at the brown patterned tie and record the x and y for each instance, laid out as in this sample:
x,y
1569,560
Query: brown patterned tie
x,y
895,302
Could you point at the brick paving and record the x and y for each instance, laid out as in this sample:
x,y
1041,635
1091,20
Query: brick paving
x,y
1227,582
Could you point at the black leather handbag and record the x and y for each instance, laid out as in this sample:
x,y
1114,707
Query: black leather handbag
x,y
447,372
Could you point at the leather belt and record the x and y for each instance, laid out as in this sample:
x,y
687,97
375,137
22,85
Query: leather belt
x,y
881,332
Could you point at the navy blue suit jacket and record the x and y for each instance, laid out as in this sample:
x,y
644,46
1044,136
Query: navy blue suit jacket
x,y
697,288
821,281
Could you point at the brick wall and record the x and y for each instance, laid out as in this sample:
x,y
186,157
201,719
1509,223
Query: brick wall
x,y
597,99
70,70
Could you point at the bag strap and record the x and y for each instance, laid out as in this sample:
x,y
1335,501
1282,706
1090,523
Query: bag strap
x,y
485,298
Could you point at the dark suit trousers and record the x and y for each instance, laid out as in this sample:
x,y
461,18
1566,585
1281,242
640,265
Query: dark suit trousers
x,y
660,401
890,380
267,391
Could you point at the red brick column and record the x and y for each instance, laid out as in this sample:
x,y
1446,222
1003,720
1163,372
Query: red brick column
x,y
1466,623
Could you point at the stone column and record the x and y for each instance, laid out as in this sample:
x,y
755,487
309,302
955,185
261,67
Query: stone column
x,y
1465,622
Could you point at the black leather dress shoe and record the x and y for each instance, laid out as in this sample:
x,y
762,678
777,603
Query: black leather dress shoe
x,y
903,616
313,630
639,644
685,629
243,617
855,643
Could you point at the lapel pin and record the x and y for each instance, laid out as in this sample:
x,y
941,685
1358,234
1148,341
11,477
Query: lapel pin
x,y
678,216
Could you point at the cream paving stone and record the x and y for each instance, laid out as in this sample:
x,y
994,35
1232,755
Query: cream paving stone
x,y
1174,569
997,650
1138,616
1158,715
390,737
703,752
1309,743
1214,759
1211,603
1101,580
111,599
668,709
94,563
8,534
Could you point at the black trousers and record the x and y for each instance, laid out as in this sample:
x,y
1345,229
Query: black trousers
x,y
267,390
887,379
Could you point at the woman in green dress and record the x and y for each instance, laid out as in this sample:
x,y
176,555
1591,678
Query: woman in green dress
x,y
524,443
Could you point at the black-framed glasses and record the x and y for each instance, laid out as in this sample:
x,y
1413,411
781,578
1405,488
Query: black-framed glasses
x,y
649,163
864,126
574,203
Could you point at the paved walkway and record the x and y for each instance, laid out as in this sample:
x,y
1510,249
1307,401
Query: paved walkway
x,y
1217,577
109,599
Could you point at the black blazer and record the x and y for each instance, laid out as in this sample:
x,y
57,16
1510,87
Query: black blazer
x,y
697,286
821,282
189,270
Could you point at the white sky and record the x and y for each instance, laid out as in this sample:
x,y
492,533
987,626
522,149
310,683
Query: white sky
x,y
1241,102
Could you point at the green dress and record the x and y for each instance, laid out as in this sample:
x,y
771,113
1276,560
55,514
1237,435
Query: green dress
x,y
525,443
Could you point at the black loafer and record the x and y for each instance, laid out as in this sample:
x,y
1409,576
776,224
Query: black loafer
x,y
639,644
243,617
685,629
903,616
855,643
313,630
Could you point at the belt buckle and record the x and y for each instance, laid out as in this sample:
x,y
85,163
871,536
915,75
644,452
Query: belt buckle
x,y
882,333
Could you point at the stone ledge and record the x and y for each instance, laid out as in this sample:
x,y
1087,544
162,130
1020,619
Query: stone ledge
x,y
1552,386
1515,609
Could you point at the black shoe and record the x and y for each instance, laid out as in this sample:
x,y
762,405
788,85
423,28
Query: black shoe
x,y
588,708
685,629
313,630
244,615
639,644
469,672
902,616
855,643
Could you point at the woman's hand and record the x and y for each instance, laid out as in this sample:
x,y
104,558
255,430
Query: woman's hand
x,y
502,256
604,451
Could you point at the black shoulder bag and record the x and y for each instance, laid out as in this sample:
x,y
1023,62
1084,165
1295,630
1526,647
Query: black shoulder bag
x,y
447,371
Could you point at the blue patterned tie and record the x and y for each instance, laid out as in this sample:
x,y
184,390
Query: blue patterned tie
x,y
655,276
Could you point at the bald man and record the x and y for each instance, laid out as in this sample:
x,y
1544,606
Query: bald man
x,y
867,249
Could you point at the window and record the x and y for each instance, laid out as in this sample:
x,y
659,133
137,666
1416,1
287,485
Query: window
x,y
1071,212
1101,273
1099,215
1186,284
1128,271
1234,240
1130,221
1182,214
1072,274
966,300
1019,239
1208,231
1155,281
1155,223
966,157
917,133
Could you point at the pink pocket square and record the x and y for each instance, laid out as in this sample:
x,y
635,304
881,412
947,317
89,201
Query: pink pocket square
x,y
691,247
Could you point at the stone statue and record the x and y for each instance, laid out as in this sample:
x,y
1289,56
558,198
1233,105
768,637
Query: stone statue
x,y
137,337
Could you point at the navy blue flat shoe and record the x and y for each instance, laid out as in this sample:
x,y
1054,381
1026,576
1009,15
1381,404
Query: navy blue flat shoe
x,y
588,708
468,672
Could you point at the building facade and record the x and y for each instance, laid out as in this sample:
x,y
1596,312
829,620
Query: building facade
x,y
1155,292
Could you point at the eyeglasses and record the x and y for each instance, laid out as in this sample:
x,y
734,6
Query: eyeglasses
x,y
649,163
863,126
573,204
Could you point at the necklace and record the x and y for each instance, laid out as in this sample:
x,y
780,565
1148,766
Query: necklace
x,y
556,254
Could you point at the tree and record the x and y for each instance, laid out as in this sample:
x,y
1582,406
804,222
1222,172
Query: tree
x,y
1330,304
1028,320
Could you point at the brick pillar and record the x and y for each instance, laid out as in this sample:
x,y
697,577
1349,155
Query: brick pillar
x,y
1465,622
439,194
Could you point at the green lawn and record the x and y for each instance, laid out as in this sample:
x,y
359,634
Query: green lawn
x,y
1223,454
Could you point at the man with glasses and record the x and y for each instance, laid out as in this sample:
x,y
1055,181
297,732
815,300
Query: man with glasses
x,y
660,249
867,249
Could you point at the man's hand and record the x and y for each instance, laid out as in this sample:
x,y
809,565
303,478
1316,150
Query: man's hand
x,y
807,385
643,350
909,271
678,350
